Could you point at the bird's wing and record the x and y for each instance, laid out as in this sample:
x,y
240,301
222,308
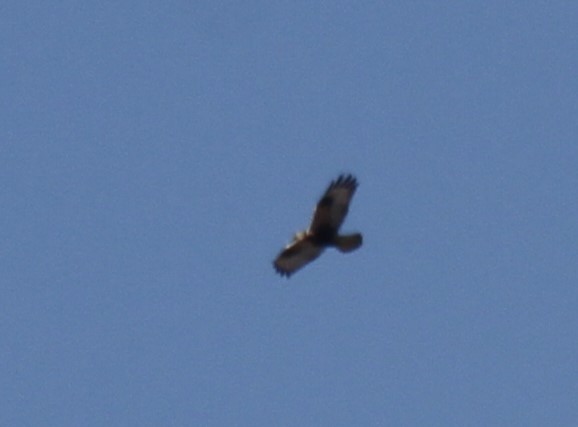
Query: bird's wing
x,y
296,255
332,209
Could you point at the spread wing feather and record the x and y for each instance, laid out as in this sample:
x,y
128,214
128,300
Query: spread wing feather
x,y
297,254
332,209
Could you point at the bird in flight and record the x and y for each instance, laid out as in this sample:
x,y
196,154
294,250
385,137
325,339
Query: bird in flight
x,y
329,214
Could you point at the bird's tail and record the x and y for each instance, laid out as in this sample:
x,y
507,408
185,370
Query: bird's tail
x,y
349,242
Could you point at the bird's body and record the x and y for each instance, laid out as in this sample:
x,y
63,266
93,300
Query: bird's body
x,y
329,214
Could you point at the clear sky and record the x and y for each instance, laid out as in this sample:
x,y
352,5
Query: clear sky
x,y
156,156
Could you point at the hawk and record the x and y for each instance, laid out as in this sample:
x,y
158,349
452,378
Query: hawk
x,y
329,214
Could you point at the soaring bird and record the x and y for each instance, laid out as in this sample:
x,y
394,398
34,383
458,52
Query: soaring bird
x,y
328,216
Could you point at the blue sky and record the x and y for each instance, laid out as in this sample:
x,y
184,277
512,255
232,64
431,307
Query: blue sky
x,y
156,156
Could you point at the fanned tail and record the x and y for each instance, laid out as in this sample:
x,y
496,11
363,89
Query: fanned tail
x,y
348,242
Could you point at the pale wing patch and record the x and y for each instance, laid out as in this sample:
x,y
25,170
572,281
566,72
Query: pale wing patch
x,y
295,256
